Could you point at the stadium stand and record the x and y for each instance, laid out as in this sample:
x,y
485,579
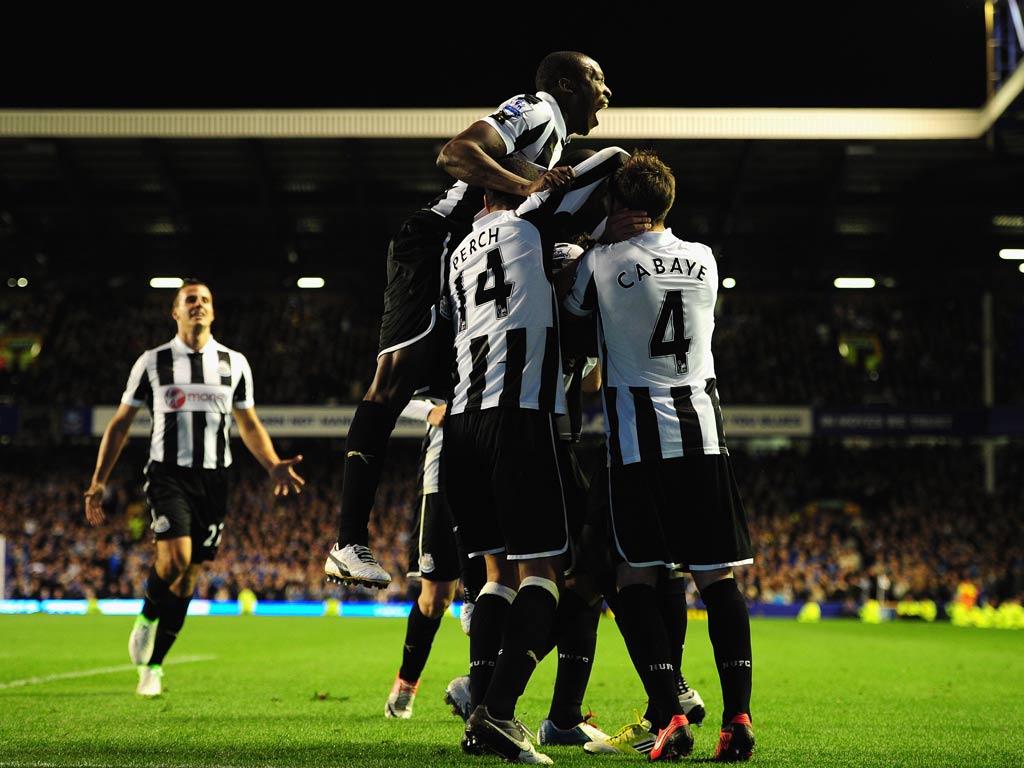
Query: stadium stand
x,y
891,348
832,522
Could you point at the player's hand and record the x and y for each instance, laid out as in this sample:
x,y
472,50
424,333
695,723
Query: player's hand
x,y
563,279
556,178
436,416
94,503
624,224
285,478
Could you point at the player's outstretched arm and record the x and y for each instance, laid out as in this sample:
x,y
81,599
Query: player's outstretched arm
x,y
471,157
257,440
114,437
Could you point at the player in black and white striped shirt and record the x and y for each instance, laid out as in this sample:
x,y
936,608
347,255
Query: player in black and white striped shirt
x,y
194,386
570,90
503,475
674,500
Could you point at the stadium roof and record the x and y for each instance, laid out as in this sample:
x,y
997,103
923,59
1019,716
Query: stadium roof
x,y
870,144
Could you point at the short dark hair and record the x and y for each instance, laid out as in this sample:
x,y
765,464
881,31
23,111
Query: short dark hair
x,y
645,183
520,167
558,65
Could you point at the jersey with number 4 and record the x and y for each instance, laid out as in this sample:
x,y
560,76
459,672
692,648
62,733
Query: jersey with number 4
x,y
497,293
502,306
654,296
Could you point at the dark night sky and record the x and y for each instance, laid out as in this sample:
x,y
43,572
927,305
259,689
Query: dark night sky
x,y
861,53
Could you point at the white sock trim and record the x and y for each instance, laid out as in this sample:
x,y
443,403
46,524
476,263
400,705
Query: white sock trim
x,y
540,581
500,590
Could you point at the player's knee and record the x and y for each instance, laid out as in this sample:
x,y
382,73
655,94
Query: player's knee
x,y
398,373
171,567
628,576
435,608
435,599
704,579
541,567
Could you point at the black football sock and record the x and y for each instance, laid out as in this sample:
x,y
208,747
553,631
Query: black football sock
x,y
489,616
643,630
729,630
172,617
576,637
526,635
473,571
612,599
419,637
154,594
372,425
672,602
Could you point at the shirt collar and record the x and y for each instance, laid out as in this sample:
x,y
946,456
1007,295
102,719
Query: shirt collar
x,y
180,346
655,238
487,218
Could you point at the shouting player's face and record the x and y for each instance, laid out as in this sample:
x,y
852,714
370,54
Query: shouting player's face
x,y
589,96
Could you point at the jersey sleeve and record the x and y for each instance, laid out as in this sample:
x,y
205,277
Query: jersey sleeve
x,y
521,115
582,297
243,396
444,304
138,392
553,211
417,409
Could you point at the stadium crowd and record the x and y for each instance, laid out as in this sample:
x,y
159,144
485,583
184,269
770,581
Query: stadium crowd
x,y
830,522
850,349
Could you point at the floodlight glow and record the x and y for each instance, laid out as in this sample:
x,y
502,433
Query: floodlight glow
x,y
310,282
166,282
23,282
1011,253
1006,221
854,282
1021,268
728,282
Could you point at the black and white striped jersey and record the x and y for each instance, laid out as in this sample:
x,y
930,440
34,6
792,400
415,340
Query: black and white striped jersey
x,y
428,478
502,305
532,128
570,426
575,368
655,301
190,395
498,294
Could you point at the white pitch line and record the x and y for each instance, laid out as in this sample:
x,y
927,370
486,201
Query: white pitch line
x,y
93,672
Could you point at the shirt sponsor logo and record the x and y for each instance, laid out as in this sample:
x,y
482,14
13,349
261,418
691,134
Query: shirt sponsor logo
x,y
174,397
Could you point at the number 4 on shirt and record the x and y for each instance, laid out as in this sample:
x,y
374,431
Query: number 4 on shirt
x,y
675,344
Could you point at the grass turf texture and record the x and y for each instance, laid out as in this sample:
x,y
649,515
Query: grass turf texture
x,y
311,692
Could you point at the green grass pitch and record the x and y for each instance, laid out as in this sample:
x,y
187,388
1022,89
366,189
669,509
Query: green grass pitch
x,y
255,691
